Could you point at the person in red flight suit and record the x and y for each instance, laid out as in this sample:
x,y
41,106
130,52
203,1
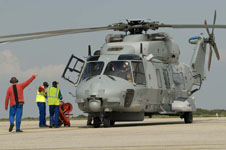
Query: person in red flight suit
x,y
16,97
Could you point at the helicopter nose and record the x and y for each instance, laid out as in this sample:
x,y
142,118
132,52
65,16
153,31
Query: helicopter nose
x,y
101,92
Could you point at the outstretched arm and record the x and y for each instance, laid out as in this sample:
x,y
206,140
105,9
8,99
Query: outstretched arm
x,y
26,83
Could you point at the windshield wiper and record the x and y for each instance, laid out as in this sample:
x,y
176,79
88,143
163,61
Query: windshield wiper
x,y
111,77
89,78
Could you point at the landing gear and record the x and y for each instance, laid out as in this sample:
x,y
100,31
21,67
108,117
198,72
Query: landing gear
x,y
96,122
112,122
89,119
97,119
106,122
188,117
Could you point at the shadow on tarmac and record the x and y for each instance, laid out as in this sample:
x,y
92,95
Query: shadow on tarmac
x,y
120,124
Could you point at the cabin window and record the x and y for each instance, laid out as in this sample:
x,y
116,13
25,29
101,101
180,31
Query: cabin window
x,y
159,78
92,69
138,72
166,78
179,79
119,69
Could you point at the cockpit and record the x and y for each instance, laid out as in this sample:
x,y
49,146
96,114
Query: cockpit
x,y
127,67
121,69
92,69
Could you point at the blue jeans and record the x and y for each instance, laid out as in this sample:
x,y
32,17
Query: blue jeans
x,y
18,111
54,110
42,113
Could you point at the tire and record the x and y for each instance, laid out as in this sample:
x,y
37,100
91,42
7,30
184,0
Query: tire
x,y
188,117
96,122
106,122
112,122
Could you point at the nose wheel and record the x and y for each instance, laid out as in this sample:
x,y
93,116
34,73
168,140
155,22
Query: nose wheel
x,y
188,117
96,122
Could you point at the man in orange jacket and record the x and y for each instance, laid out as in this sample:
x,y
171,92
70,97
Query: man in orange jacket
x,y
16,97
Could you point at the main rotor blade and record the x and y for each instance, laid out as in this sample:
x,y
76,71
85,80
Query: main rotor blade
x,y
210,58
69,31
50,34
189,26
40,37
29,38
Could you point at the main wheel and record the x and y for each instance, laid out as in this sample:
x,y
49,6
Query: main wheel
x,y
112,122
188,117
106,122
96,122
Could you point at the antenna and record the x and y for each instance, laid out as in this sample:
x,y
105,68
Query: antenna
x,y
89,50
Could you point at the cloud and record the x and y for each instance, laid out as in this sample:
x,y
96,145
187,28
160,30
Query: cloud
x,y
10,66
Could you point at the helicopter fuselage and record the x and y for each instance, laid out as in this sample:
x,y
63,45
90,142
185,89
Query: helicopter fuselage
x,y
134,76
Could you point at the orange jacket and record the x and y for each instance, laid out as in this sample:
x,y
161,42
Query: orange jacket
x,y
20,87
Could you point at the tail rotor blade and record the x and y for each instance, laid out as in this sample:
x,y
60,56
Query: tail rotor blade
x,y
214,20
207,29
210,58
215,49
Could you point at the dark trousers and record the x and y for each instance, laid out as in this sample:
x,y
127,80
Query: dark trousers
x,y
54,110
42,113
18,111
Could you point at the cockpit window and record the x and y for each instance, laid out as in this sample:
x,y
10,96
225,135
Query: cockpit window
x,y
92,69
119,69
138,72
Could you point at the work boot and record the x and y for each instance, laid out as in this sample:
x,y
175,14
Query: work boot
x,y
11,127
44,126
19,130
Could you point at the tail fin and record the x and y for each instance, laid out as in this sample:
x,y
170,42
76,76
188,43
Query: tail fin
x,y
198,59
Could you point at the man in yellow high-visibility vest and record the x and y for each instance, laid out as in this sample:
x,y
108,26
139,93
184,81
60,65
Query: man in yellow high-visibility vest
x,y
41,102
54,96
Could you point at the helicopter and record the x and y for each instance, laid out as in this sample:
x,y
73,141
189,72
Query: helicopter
x,y
135,74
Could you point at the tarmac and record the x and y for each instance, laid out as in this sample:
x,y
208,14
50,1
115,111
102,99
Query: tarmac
x,y
164,133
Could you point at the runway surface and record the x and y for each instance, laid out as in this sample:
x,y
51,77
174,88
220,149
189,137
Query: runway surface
x,y
170,133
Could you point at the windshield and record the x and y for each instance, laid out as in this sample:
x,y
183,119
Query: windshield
x,y
92,69
119,69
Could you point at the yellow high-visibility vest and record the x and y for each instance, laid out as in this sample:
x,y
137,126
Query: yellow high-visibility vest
x,y
52,96
40,97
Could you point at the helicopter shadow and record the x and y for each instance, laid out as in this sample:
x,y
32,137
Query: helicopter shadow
x,y
121,124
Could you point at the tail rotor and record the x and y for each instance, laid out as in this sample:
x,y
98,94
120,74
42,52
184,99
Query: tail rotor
x,y
212,43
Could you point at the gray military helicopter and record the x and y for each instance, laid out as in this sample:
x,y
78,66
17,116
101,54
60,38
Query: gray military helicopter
x,y
135,74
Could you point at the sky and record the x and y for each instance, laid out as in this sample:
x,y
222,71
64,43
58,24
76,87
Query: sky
x,y
49,56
